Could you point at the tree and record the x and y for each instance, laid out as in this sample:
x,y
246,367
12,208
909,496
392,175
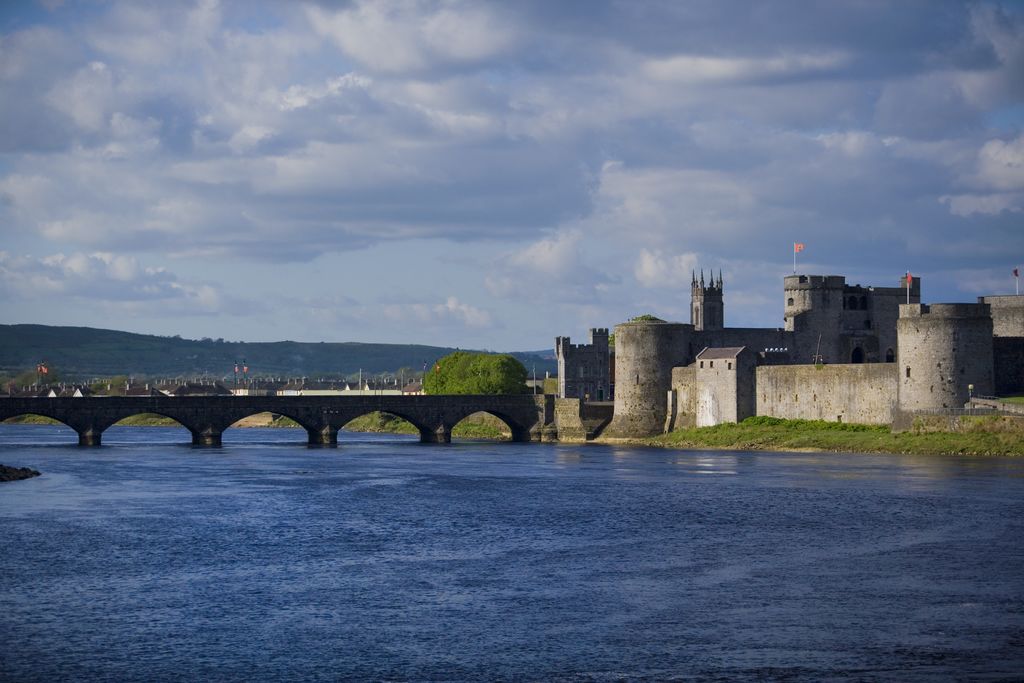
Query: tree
x,y
463,372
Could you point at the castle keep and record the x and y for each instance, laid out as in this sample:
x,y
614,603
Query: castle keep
x,y
845,353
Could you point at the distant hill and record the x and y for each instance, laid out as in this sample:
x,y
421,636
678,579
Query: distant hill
x,y
85,352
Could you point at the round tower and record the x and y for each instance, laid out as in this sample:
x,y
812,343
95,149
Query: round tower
x,y
943,348
645,353
814,310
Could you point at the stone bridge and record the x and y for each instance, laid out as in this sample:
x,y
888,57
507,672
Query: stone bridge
x,y
530,417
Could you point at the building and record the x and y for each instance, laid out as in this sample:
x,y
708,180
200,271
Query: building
x,y
584,370
839,356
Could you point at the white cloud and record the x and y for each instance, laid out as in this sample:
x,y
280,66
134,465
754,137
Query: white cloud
x,y
408,35
1001,164
656,269
105,277
693,69
450,311
988,204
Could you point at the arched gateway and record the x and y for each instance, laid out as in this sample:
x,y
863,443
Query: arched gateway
x,y
529,417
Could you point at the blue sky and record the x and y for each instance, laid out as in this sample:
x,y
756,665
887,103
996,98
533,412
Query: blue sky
x,y
491,175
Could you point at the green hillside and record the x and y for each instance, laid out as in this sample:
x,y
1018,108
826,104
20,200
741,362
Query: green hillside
x,y
85,352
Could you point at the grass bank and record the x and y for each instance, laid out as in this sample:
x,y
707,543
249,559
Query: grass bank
x,y
476,426
978,436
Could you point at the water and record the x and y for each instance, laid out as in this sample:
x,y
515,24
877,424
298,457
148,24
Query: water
x,y
385,559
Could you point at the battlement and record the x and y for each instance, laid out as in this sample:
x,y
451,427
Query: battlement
x,y
814,282
945,311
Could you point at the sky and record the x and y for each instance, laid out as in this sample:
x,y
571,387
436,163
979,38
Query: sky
x,y
493,174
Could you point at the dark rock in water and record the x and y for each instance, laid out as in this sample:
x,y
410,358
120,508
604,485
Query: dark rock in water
x,y
16,473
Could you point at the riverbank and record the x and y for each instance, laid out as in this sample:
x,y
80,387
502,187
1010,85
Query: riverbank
x,y
8,473
990,435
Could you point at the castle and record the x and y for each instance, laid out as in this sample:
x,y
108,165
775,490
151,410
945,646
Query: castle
x,y
846,352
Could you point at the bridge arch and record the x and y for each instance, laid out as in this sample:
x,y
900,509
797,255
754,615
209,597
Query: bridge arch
x,y
7,419
383,421
140,418
517,429
485,424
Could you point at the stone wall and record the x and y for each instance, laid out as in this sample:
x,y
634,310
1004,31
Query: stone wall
x,y
1008,358
863,393
1007,314
568,420
584,369
683,398
645,353
943,350
725,386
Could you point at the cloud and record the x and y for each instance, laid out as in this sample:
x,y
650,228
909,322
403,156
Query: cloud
x,y
553,264
550,150
106,278
450,311
697,69
668,271
1001,164
410,36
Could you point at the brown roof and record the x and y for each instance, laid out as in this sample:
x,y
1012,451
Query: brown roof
x,y
720,352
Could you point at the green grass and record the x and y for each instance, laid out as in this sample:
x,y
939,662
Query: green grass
x,y
983,436
478,426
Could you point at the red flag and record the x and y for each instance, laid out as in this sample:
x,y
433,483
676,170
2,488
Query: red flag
x,y
245,369
45,370
798,247
236,368
910,279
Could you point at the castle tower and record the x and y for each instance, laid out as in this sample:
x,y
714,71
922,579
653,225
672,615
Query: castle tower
x,y
645,353
943,348
584,369
814,310
707,311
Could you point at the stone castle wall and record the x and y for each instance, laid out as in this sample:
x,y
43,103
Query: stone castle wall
x,y
1007,314
1008,360
684,398
645,353
863,393
944,348
583,369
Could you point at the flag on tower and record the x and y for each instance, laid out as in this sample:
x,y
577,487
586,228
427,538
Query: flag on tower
x,y
798,247
910,279
1016,272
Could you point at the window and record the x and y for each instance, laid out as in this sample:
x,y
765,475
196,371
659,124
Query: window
x,y
908,372
711,363
852,303
702,364
890,357
789,301
730,366
867,324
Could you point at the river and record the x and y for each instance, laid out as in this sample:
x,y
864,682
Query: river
x,y
385,559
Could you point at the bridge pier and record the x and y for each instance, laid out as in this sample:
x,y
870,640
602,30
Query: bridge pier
x,y
206,437
90,437
442,434
323,436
